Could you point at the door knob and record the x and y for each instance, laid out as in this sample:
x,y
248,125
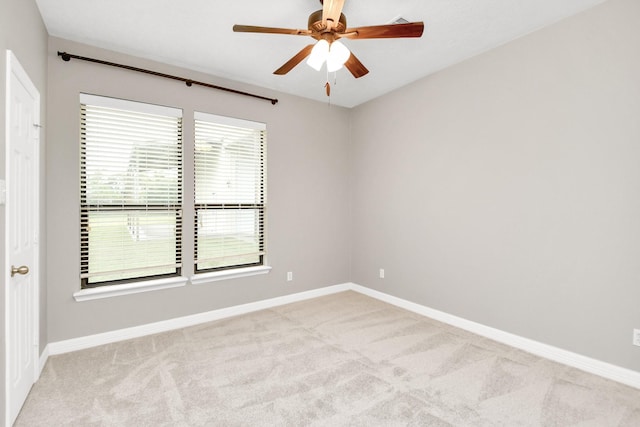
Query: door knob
x,y
19,270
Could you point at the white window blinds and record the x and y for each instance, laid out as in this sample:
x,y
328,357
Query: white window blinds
x,y
230,192
130,190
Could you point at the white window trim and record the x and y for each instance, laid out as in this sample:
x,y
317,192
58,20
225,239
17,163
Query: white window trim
x,y
229,121
90,294
203,278
123,104
99,292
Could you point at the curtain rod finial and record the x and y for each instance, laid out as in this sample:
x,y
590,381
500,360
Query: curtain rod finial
x,y
65,56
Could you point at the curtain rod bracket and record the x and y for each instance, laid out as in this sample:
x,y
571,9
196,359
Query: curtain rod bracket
x,y
67,57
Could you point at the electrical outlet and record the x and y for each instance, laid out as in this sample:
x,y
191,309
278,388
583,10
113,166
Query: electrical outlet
x,y
636,337
289,276
382,273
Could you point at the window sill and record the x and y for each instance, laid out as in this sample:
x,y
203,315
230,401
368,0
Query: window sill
x,y
202,278
129,288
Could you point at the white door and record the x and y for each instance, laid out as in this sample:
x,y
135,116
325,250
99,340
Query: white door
x,y
23,131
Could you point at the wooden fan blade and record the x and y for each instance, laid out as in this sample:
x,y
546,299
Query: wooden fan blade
x,y
298,58
356,67
269,30
410,29
331,11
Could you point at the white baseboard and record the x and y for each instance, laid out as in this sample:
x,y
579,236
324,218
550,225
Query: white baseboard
x,y
584,363
81,343
43,360
597,367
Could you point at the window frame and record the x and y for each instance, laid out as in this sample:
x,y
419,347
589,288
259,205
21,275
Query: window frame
x,y
260,207
86,207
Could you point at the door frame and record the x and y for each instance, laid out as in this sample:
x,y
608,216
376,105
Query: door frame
x,y
14,67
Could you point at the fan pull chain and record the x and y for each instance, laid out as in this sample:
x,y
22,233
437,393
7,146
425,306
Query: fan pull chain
x,y
327,88
327,85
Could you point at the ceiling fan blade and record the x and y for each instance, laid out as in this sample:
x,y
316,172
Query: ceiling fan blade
x,y
331,11
298,58
269,30
410,29
356,67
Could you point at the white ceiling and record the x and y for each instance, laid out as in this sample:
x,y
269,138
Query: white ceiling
x,y
197,34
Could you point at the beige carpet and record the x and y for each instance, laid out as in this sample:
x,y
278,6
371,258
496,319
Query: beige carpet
x,y
344,359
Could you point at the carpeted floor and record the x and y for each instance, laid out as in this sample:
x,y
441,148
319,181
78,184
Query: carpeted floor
x,y
344,359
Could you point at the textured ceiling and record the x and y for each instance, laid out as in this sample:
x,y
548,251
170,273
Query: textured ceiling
x,y
197,34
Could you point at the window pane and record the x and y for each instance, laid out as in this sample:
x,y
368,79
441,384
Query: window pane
x,y
133,160
124,245
228,164
228,237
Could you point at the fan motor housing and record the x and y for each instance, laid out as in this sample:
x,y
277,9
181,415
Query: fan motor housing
x,y
315,23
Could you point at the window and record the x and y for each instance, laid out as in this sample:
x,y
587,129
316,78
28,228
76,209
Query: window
x,y
130,191
230,186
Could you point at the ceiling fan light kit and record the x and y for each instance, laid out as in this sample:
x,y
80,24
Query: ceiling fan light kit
x,y
334,54
327,26
319,54
338,56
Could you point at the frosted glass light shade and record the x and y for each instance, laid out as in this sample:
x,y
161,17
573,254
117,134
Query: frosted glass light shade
x,y
338,55
319,54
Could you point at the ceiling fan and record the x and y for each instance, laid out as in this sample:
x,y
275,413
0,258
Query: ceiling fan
x,y
328,26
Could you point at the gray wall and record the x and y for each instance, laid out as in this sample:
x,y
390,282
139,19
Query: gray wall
x,y
505,189
308,172
22,31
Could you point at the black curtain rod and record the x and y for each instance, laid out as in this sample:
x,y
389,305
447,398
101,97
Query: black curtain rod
x,y
67,57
